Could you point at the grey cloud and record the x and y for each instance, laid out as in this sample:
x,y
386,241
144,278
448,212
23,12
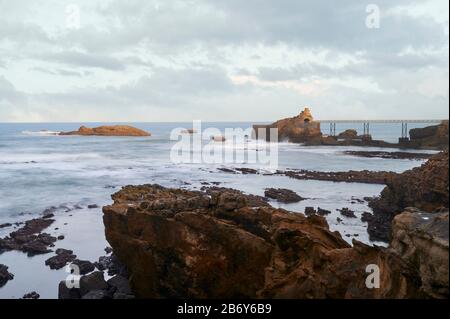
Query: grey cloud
x,y
81,59
9,94
316,24
61,72
21,32
165,87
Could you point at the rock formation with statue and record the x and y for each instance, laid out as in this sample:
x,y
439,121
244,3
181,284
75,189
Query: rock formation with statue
x,y
298,129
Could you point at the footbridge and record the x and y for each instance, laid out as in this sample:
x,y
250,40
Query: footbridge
x,y
367,123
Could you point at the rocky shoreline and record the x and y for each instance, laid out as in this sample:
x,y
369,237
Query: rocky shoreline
x,y
425,187
225,245
389,155
366,177
156,231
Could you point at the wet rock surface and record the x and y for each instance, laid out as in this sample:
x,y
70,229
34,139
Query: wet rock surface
x,y
367,177
422,239
31,295
347,212
425,188
286,196
84,266
111,265
390,155
61,259
5,276
94,286
29,238
320,211
184,244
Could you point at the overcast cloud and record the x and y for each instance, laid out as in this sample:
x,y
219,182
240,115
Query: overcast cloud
x,y
221,60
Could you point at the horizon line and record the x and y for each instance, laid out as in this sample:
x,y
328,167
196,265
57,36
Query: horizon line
x,y
231,121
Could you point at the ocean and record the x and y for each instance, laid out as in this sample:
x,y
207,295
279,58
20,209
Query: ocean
x,y
39,170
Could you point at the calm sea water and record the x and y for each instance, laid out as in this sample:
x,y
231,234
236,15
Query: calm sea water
x,y
37,172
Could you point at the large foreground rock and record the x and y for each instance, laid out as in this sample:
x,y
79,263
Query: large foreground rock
x,y
422,239
116,130
425,187
184,244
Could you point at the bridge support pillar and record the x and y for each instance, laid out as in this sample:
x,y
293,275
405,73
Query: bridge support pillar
x,y
405,133
332,129
366,128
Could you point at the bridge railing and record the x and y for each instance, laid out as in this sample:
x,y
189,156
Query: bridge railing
x,y
367,123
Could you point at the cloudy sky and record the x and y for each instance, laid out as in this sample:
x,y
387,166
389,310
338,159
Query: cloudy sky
x,y
222,60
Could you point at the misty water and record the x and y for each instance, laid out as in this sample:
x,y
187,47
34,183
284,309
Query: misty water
x,y
38,171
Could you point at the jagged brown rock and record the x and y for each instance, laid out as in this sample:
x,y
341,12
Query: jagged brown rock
x,y
115,130
422,239
185,244
436,136
348,134
424,187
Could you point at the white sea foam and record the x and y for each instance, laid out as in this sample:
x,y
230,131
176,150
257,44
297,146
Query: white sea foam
x,y
41,133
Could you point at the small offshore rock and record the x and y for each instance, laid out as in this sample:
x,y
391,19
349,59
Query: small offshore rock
x,y
62,258
347,212
310,211
286,196
31,295
323,212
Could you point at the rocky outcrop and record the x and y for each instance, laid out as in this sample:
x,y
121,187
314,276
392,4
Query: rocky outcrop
x,y
348,134
5,276
297,129
185,244
31,295
367,177
115,130
283,195
29,238
430,137
61,259
422,239
94,286
425,188
390,155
